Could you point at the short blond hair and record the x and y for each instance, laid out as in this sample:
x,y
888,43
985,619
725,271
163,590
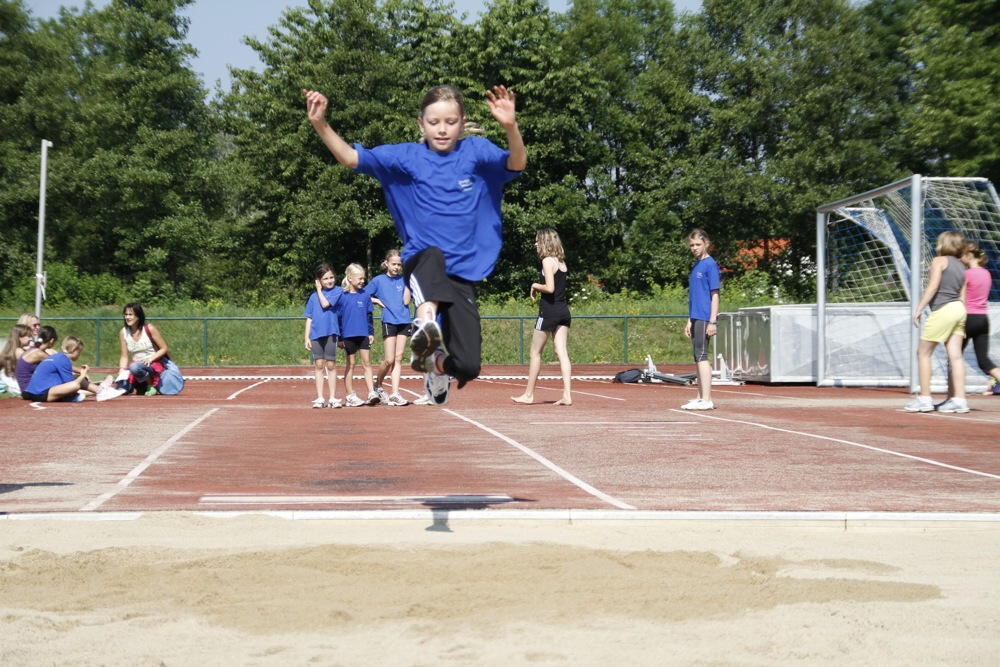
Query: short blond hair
x,y
71,344
951,243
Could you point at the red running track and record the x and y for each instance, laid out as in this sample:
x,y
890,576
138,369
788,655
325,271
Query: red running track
x,y
256,444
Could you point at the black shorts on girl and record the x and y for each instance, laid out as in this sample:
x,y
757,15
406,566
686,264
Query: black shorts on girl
x,y
456,298
324,347
390,330
699,339
354,343
552,317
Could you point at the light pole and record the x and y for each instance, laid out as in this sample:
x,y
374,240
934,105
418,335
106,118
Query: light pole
x,y
39,274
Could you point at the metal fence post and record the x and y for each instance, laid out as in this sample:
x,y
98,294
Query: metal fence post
x,y
625,339
520,326
204,341
97,338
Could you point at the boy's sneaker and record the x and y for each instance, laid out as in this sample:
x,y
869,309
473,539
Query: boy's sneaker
x,y
920,404
994,387
954,405
318,403
373,398
437,384
424,399
698,404
352,401
382,396
395,400
425,340
151,391
335,403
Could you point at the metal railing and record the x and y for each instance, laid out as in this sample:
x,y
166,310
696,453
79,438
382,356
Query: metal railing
x,y
268,340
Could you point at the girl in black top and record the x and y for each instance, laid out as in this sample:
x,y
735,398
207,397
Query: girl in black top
x,y
553,314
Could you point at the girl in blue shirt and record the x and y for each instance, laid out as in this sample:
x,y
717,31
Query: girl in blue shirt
x,y
703,311
357,332
323,332
55,380
389,291
444,195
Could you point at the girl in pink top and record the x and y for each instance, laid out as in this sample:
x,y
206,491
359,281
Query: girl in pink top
x,y
978,282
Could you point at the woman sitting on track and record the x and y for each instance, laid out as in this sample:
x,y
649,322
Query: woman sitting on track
x,y
148,349
55,378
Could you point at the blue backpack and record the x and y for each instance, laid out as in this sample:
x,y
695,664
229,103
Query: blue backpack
x,y
171,380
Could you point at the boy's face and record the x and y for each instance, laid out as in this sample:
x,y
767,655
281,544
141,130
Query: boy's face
x,y
442,124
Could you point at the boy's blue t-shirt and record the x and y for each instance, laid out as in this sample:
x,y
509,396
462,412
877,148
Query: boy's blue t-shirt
x,y
448,200
354,309
704,278
324,320
390,292
51,372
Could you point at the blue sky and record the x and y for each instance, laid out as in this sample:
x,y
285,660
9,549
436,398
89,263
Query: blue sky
x,y
218,26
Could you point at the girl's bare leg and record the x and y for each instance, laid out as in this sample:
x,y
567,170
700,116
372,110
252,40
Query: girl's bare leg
x,y
389,358
397,368
65,389
559,340
319,378
348,372
366,364
538,339
956,365
331,378
924,352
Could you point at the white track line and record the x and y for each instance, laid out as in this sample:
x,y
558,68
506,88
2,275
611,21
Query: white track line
x,y
35,405
234,395
439,499
559,389
853,444
545,462
124,482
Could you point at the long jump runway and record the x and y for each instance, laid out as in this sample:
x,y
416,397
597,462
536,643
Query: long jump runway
x,y
253,443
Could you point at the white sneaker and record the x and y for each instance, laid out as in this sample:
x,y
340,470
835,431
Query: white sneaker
x,y
920,404
954,405
426,338
437,384
691,402
382,396
318,403
107,393
352,401
373,398
424,399
395,400
335,403
698,404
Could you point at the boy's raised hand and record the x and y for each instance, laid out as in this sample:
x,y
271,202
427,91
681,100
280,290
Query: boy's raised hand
x,y
316,104
501,104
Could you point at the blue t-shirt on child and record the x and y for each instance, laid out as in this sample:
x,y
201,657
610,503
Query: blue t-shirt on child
x,y
354,310
389,291
324,320
704,278
51,372
448,200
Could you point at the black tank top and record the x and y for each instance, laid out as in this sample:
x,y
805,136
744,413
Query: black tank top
x,y
559,291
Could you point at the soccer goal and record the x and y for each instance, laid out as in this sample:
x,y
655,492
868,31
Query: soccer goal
x,y
873,251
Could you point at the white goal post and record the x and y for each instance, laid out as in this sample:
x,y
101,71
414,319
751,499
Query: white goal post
x,y
872,255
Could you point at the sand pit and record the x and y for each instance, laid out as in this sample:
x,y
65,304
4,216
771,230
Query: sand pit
x,y
256,589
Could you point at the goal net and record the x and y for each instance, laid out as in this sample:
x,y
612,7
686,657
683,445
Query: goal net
x,y
867,287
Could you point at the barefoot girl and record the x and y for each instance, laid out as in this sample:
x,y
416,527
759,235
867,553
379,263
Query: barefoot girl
x,y
553,314
444,195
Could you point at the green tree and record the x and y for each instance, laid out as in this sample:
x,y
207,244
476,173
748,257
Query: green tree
x,y
130,189
954,120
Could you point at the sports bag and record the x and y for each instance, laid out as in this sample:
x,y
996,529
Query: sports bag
x,y
629,376
171,379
